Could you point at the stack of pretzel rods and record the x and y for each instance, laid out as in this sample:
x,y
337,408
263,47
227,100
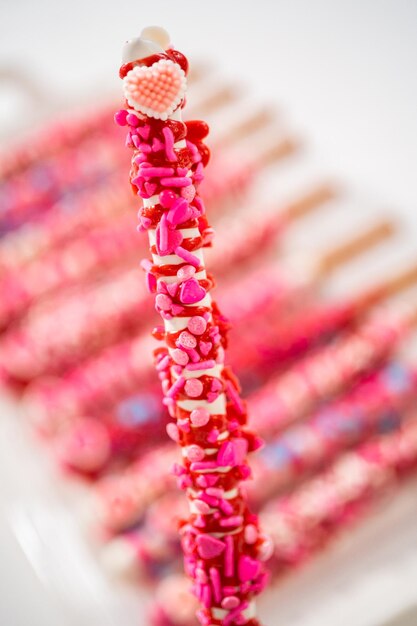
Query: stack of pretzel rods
x,y
224,549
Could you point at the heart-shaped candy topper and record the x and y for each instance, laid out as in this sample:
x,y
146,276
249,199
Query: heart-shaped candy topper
x,y
155,91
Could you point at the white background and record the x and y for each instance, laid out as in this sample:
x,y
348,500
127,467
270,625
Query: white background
x,y
345,73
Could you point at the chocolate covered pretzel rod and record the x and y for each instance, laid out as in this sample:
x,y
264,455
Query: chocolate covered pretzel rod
x,y
223,548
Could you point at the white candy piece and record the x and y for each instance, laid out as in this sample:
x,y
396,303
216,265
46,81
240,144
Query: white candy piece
x,y
152,40
157,34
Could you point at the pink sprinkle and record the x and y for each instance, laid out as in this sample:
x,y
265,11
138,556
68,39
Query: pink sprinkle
x,y
150,282
198,203
197,325
169,144
146,265
216,583
248,568
229,556
206,596
200,575
202,365
162,287
163,233
157,145
216,385
184,482
234,520
199,173
180,356
186,340
176,181
177,386
163,302
187,256
193,354
150,172
235,398
229,603
178,470
185,272
226,456
120,117
251,534
240,449
234,614
163,363
200,522
132,120
193,387
167,198
226,507
145,148
195,453
146,222
201,507
199,417
173,432
210,500
213,435
179,212
184,425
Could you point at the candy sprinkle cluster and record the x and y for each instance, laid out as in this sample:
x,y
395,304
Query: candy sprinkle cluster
x,y
223,547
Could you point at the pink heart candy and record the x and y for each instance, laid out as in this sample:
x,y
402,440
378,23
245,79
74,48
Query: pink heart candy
x,y
191,291
150,188
155,91
248,568
205,347
144,131
209,547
